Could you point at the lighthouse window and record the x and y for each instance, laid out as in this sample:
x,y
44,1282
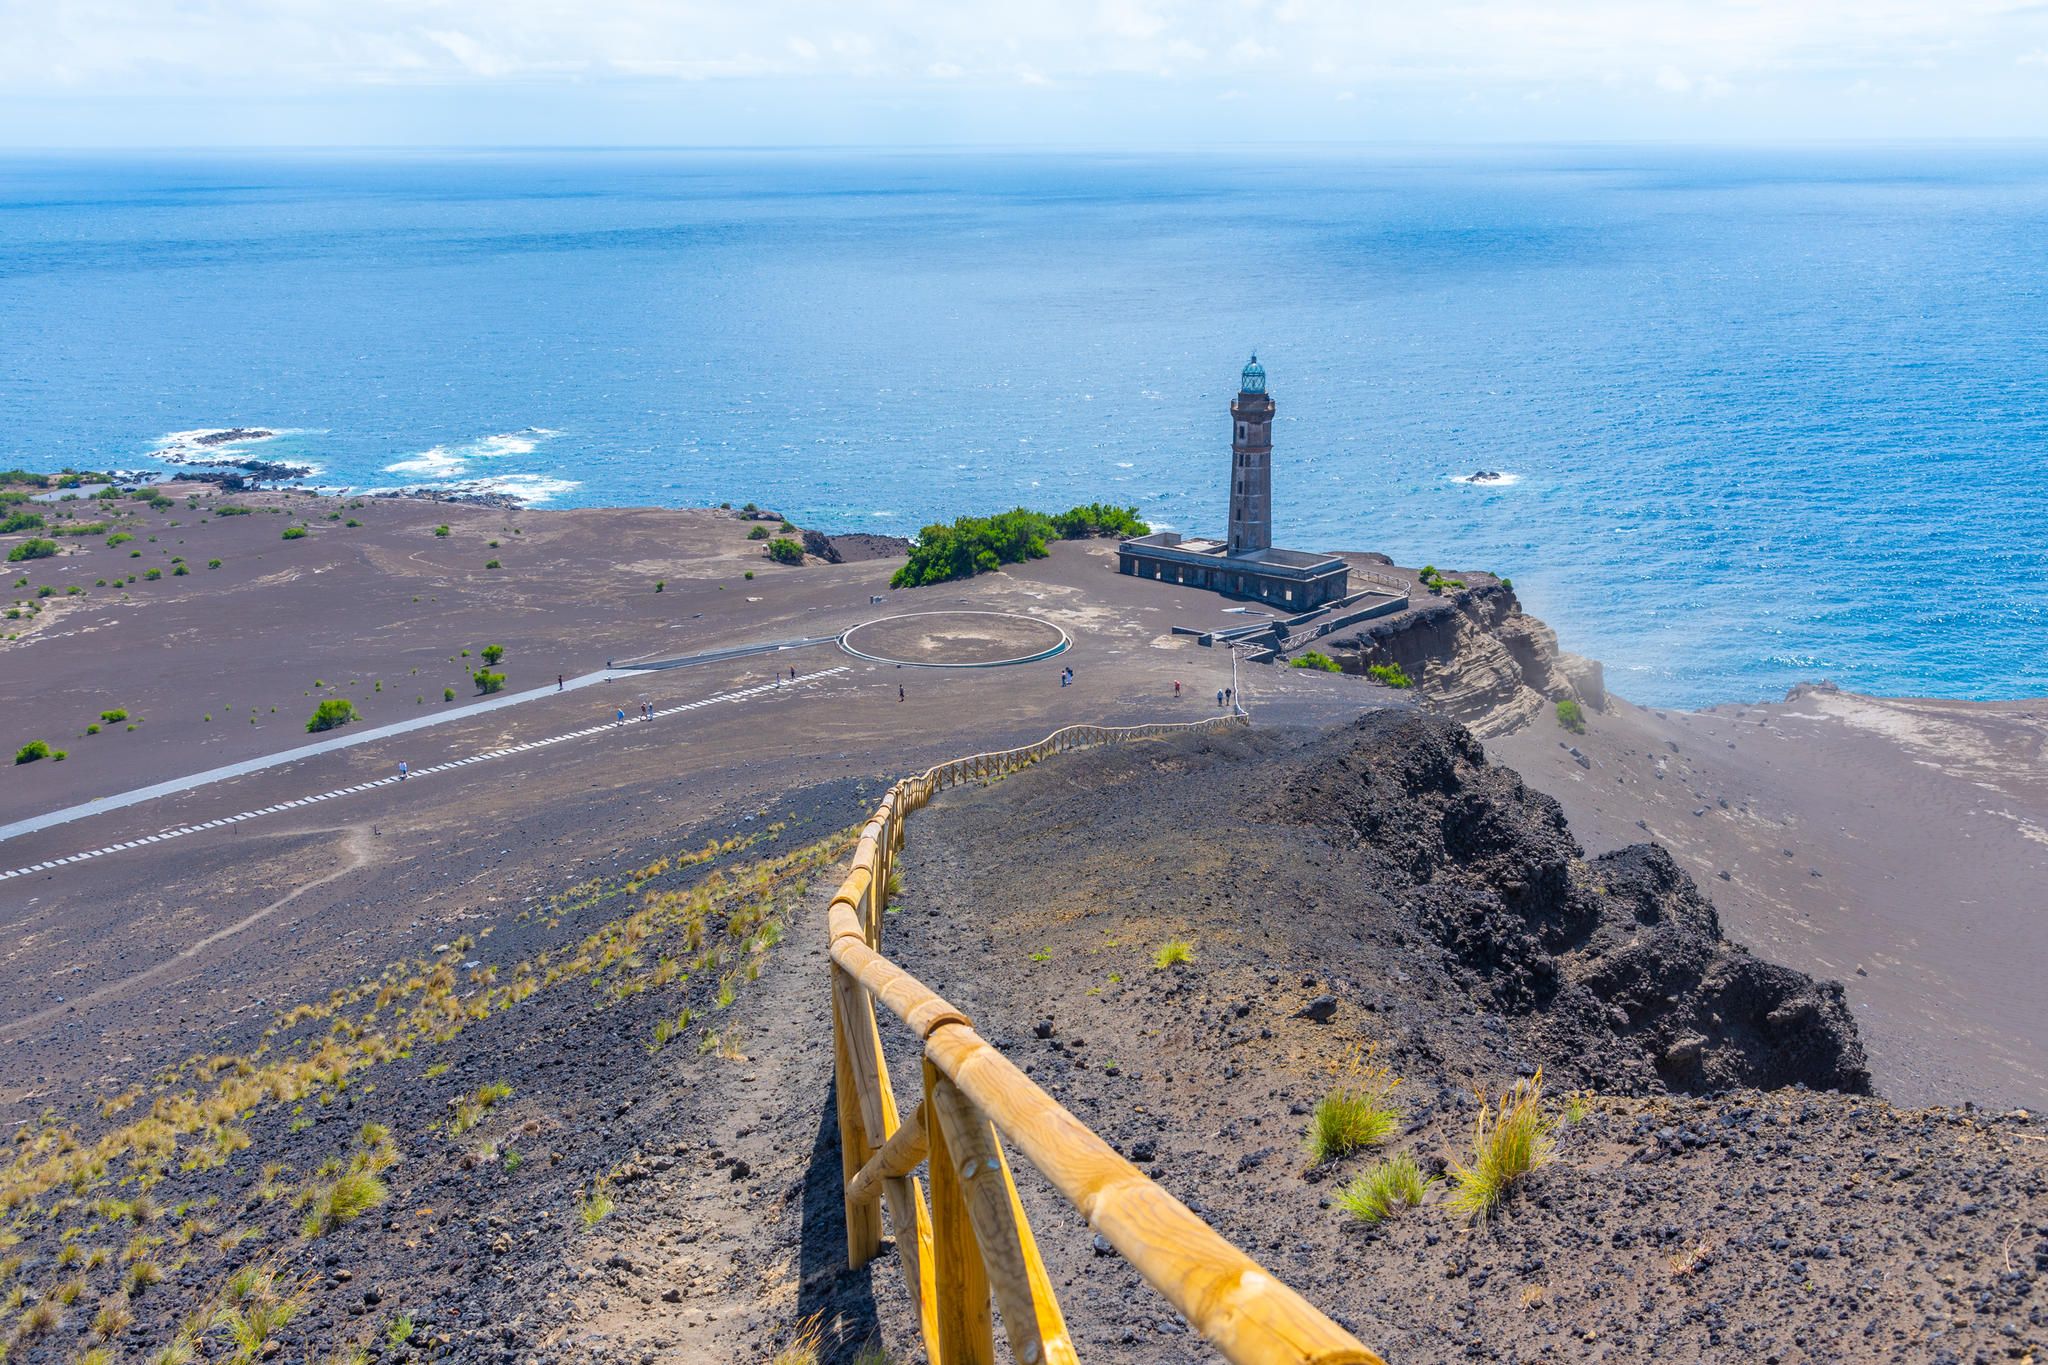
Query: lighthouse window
x,y
1240,431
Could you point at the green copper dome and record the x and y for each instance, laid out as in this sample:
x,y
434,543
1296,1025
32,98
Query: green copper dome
x,y
1254,380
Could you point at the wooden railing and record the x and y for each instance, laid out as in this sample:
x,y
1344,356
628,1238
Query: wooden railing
x,y
972,1240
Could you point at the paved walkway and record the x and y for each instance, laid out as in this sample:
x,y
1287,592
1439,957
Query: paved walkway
x,y
351,738
417,774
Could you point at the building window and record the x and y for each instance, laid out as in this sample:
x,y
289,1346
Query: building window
x,y
1240,431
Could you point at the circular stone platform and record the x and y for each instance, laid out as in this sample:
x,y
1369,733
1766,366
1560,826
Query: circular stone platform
x,y
955,639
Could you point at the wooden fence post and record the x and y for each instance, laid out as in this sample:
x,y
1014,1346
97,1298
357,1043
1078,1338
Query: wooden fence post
x,y
1031,1314
863,1219
959,1278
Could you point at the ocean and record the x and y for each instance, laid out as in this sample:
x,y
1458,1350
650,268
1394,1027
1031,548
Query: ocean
x,y
1760,417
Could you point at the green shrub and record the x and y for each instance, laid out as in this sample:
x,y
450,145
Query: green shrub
x,y
493,653
750,578
441,532
180,571
294,533
785,551
756,533
330,713
92,729
492,564
114,717
213,563
973,545
20,521
660,583
33,548
1315,659
228,509
1571,717
787,528
1386,1188
447,694
352,522
153,574
31,751
118,538
83,528
1391,675
348,1198
488,682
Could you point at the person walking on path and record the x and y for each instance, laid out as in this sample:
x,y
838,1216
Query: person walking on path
x,y
1219,698
1176,689
899,691
558,682
622,717
403,771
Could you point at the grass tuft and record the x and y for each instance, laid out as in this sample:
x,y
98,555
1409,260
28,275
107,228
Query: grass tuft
x,y
1172,953
350,1197
1358,1112
1509,1140
806,1346
1388,1187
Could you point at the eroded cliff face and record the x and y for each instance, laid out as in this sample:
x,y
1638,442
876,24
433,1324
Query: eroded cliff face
x,y
1475,656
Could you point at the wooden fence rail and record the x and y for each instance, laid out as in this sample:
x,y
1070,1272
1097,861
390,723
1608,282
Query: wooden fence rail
x,y
968,1241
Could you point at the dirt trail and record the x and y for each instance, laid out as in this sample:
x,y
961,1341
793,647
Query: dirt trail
x,y
356,845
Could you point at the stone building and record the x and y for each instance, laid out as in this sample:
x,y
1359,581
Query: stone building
x,y
1243,564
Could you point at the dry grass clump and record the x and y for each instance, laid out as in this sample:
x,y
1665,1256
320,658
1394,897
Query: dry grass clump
x,y
1388,1187
471,1108
806,1346
1172,953
348,1197
1358,1112
1509,1140
112,1319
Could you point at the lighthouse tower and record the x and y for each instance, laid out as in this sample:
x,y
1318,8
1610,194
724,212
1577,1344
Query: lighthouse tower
x,y
1251,464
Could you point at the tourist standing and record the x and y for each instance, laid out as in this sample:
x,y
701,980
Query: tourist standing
x,y
403,771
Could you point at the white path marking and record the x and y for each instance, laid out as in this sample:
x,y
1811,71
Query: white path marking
x,y
417,773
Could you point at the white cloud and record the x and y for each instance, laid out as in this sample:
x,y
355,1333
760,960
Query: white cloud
x,y
1450,54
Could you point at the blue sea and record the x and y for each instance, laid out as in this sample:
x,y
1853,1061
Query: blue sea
x,y
1760,416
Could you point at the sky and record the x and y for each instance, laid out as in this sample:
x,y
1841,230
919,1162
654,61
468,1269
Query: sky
x,y
1040,73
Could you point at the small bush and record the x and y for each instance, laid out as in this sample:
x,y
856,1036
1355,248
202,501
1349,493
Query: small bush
x,y
660,584
335,711
152,575
118,538
1172,953
487,682
31,751
20,521
447,694
596,1208
1391,675
213,563
1359,1111
1387,1187
750,578
294,533
785,551
1571,717
1509,1140
492,564
493,653
35,547
441,532
228,509
92,729
1317,660
757,533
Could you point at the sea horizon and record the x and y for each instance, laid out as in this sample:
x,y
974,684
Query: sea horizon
x,y
1760,416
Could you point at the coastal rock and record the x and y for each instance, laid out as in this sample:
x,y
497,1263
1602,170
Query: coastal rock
x,y
1476,657
1561,943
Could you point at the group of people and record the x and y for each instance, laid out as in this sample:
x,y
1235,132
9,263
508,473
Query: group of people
x,y
1066,677
646,713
